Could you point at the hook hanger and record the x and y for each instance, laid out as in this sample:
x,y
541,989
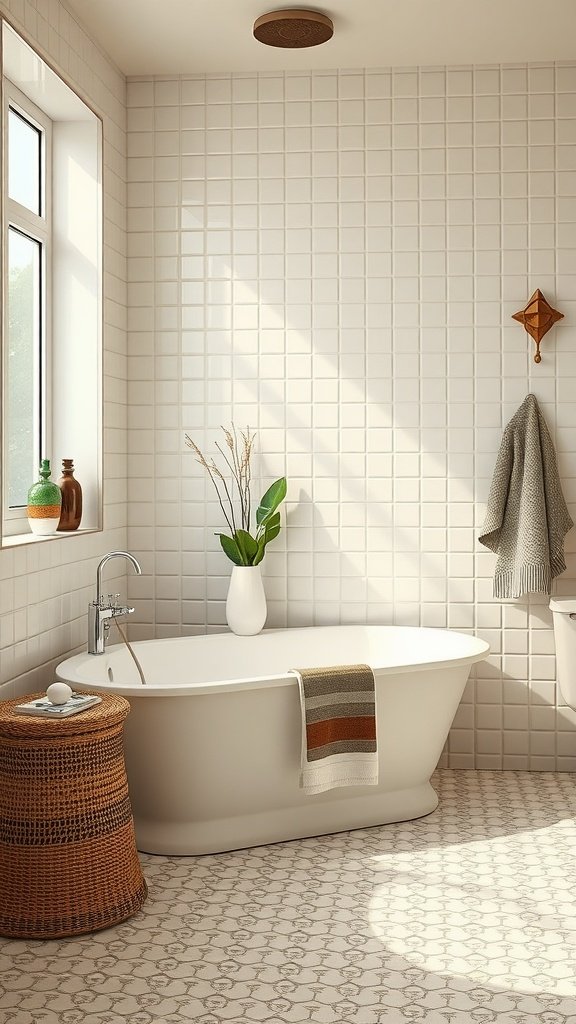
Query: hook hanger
x,y
538,317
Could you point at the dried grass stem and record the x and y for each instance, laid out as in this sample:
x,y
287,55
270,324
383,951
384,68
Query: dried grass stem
x,y
238,463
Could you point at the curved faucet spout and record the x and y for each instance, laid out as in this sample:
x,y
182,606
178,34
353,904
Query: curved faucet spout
x,y
102,563
99,614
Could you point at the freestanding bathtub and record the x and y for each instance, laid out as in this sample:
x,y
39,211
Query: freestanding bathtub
x,y
213,740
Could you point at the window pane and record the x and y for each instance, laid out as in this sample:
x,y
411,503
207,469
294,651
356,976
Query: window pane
x,y
23,370
24,155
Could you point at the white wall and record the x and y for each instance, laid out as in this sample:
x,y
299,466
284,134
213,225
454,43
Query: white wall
x,y
45,587
334,259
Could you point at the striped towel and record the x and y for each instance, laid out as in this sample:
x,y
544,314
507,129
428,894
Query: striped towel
x,y
338,705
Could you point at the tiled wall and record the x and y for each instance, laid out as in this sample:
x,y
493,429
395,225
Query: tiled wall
x,y
334,259
45,587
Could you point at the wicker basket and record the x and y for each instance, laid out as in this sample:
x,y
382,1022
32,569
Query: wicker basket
x,y
68,861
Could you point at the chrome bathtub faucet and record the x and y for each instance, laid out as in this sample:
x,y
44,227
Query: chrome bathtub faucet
x,y
99,612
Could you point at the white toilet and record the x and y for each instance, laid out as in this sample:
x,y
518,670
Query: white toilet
x,y
564,613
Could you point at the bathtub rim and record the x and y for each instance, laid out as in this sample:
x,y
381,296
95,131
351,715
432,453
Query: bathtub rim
x,y
67,670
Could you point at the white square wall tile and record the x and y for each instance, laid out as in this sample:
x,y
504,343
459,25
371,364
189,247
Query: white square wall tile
x,y
341,276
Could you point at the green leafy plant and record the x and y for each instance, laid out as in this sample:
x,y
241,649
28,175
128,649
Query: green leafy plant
x,y
242,546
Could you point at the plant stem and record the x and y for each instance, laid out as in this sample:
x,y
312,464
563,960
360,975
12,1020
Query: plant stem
x,y
230,502
248,479
236,480
238,464
213,473
231,527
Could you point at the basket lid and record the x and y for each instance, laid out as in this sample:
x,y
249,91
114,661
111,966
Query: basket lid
x,y
110,712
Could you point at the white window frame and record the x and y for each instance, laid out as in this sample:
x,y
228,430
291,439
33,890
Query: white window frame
x,y
38,228
74,278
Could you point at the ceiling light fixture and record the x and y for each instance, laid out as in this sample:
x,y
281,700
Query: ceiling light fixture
x,y
293,29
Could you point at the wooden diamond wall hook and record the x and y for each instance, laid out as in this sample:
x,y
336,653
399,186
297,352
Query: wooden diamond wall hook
x,y
538,316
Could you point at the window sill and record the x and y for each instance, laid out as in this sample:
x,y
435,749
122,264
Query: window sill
x,y
30,538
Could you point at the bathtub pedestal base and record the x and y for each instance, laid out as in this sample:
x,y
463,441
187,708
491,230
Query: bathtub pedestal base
x,y
314,818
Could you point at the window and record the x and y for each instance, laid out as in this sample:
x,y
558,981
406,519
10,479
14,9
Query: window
x,y
51,384
27,249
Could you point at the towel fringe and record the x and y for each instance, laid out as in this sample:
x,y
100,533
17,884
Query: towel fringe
x,y
530,579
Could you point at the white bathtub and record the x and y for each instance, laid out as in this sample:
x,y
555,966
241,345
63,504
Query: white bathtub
x,y
213,740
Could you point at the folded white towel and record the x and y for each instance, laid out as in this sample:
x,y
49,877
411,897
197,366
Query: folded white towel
x,y
339,747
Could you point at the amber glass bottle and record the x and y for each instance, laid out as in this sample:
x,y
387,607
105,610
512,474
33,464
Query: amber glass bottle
x,y
71,497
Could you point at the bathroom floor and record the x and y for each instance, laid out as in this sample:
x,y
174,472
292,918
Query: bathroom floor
x,y
468,915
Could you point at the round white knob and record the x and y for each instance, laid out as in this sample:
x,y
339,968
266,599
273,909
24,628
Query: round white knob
x,y
59,693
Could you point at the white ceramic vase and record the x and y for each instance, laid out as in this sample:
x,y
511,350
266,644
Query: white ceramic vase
x,y
246,601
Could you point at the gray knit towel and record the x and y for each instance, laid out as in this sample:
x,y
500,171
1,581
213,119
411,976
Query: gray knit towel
x,y
526,518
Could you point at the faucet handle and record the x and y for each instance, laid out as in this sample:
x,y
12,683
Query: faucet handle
x,y
116,601
119,610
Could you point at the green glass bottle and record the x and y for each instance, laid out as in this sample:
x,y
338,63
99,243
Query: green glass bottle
x,y
44,503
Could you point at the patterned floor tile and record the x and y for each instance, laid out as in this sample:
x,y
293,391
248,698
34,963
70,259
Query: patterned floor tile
x,y
467,916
